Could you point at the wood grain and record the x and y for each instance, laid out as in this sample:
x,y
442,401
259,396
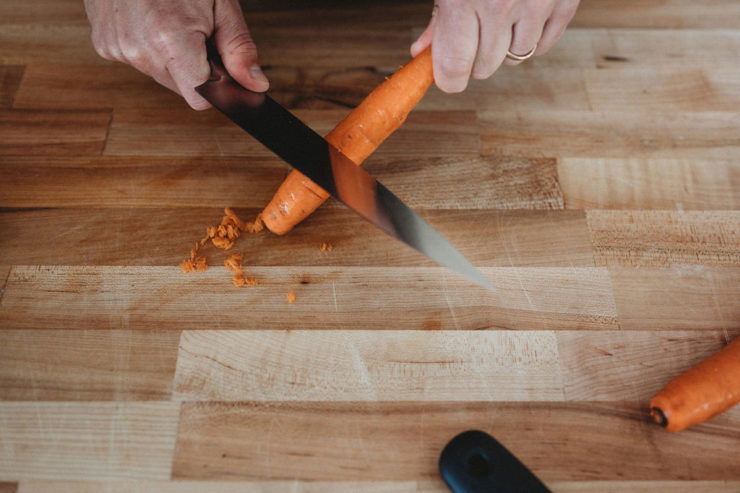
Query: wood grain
x,y
401,441
623,134
6,487
664,89
127,236
671,14
610,365
87,441
90,87
87,365
10,79
181,132
528,298
27,132
693,297
40,486
234,486
665,238
634,183
462,182
368,366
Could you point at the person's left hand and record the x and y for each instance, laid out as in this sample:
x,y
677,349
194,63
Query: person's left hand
x,y
470,38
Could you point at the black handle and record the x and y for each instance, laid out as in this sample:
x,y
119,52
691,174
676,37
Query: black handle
x,y
474,462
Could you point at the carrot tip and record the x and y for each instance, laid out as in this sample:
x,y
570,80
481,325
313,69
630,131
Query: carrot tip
x,y
658,416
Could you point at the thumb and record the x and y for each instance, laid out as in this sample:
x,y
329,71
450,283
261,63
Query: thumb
x,y
426,37
236,46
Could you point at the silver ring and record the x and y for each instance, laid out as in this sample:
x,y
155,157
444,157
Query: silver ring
x,y
521,58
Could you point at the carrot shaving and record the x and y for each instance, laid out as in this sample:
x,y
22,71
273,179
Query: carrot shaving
x,y
326,247
290,297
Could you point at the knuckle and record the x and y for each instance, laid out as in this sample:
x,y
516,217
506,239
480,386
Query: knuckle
x,y
242,43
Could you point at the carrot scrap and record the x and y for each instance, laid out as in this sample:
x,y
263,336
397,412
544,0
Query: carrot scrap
x,y
326,247
707,389
290,297
234,262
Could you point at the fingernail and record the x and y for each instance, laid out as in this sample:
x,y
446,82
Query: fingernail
x,y
256,72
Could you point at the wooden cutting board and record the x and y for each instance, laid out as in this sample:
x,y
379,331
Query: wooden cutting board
x,y
598,187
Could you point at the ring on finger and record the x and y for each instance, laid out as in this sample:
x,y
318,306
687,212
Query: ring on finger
x,y
521,58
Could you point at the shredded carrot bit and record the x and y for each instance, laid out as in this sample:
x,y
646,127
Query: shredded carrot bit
x,y
290,297
326,247
223,236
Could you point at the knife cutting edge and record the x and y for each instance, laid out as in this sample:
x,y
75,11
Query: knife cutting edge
x,y
305,150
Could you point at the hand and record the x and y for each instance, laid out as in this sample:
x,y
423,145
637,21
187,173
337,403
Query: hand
x,y
166,39
470,38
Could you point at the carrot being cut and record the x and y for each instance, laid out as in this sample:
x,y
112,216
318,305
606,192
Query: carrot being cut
x,y
707,389
357,136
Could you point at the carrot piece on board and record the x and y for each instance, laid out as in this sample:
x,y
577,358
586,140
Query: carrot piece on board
x,y
357,136
290,297
326,247
707,389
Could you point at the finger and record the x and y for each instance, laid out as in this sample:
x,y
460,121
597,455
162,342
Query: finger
x,y
555,25
525,36
188,66
494,42
426,37
455,44
237,47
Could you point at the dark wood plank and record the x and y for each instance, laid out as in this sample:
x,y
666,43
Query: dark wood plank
x,y
8,487
382,441
59,133
87,365
427,298
693,297
183,132
664,238
462,182
87,236
10,79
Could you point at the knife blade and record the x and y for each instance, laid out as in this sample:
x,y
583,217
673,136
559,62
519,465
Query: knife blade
x,y
305,150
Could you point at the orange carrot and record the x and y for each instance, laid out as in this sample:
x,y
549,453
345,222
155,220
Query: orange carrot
x,y
357,136
707,389
290,297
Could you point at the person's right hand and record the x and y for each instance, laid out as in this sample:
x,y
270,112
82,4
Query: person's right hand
x,y
166,39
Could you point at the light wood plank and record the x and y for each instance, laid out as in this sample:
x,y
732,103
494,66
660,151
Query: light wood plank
x,y
10,79
664,238
623,134
402,441
233,486
420,298
40,486
661,89
41,41
26,132
683,297
87,365
182,132
617,365
368,366
663,14
461,182
86,440
645,486
629,183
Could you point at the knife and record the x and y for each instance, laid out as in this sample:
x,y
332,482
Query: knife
x,y
305,150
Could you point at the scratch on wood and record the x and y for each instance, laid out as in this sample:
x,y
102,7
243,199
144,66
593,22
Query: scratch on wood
x,y
447,299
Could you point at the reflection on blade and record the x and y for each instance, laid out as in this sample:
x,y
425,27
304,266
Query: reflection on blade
x,y
308,152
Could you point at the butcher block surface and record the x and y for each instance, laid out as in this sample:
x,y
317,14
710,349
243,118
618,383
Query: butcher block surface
x,y
598,188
